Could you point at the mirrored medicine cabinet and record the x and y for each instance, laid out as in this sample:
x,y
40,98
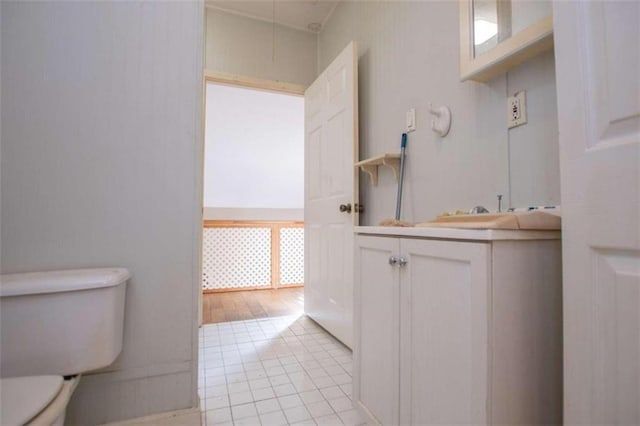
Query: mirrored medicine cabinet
x,y
497,35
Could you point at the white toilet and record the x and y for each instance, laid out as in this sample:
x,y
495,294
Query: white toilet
x,y
54,327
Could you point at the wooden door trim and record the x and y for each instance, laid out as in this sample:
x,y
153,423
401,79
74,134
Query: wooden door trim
x,y
254,83
212,223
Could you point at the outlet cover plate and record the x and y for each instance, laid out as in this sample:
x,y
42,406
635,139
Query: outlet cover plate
x,y
517,109
411,120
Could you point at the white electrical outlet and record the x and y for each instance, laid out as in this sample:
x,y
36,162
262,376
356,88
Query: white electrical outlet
x,y
517,109
411,120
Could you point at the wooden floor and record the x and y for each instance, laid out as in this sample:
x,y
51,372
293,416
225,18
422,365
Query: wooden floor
x,y
251,304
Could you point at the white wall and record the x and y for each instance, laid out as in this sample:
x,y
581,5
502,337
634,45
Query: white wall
x,y
408,58
254,149
534,156
240,45
100,166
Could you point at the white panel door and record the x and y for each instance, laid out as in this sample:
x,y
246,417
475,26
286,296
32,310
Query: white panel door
x,y
331,146
376,354
597,53
444,342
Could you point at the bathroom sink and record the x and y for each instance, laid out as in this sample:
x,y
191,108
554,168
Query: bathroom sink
x,y
532,220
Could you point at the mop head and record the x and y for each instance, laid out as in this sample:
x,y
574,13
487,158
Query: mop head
x,y
394,222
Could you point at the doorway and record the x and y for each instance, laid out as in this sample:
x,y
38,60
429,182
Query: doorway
x,y
253,229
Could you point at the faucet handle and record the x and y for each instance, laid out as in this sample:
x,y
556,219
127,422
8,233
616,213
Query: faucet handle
x,y
499,203
478,209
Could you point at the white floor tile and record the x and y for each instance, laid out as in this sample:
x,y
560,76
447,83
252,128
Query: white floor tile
x,y
213,372
262,394
279,380
309,422
221,415
258,373
221,424
236,377
240,398
334,370
351,418
347,389
324,382
290,401
251,366
311,396
332,392
238,387
330,420
217,390
245,410
235,368
217,402
283,390
247,421
342,379
215,380
292,368
319,409
288,360
341,404
297,414
274,371
271,363
267,406
259,384
275,418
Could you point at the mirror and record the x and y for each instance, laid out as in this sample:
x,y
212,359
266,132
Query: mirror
x,y
496,35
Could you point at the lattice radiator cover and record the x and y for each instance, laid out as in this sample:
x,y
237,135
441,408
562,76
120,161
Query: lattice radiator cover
x,y
291,256
241,257
236,258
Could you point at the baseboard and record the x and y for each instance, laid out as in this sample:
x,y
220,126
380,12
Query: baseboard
x,y
188,417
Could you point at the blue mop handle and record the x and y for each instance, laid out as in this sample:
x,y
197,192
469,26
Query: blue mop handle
x,y
403,146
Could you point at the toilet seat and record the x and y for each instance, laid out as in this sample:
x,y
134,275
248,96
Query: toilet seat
x,y
23,398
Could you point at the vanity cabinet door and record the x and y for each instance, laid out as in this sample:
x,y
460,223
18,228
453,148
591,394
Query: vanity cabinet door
x,y
377,329
445,295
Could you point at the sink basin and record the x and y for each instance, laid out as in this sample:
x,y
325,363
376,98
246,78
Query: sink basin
x,y
532,220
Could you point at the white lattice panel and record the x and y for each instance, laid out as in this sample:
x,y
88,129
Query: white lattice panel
x,y
236,258
291,255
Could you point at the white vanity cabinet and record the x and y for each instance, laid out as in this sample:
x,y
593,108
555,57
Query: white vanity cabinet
x,y
458,331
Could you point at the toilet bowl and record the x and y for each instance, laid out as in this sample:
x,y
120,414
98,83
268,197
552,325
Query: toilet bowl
x,y
55,326
35,400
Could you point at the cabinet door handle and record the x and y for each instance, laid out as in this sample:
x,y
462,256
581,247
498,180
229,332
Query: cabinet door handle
x,y
345,208
402,261
393,260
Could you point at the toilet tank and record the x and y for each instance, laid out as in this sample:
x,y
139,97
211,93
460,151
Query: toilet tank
x,y
61,322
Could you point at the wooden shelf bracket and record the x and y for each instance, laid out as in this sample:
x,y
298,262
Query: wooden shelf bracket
x,y
370,166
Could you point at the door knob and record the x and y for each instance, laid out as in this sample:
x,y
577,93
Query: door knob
x,y
345,208
359,208
393,260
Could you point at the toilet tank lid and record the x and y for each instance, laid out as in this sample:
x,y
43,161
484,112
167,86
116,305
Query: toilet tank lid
x,y
61,281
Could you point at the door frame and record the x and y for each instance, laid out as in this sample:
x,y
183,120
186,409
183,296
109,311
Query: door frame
x,y
212,76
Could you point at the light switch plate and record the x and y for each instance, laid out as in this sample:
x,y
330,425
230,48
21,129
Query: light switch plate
x,y
517,109
411,120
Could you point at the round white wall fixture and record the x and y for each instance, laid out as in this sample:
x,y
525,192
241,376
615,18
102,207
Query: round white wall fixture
x,y
441,123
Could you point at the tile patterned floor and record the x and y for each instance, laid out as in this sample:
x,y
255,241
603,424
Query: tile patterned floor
x,y
274,371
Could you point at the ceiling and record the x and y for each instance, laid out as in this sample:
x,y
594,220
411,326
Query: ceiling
x,y
308,15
